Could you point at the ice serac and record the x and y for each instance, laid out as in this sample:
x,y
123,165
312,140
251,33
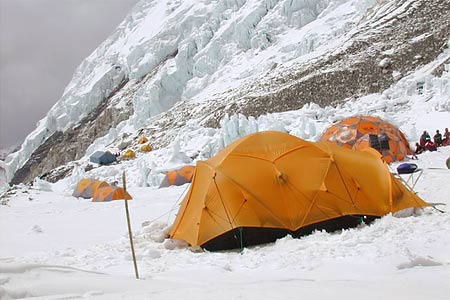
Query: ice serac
x,y
172,61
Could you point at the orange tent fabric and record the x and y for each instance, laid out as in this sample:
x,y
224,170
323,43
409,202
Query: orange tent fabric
x,y
362,132
178,177
86,187
110,193
142,140
129,154
146,148
270,184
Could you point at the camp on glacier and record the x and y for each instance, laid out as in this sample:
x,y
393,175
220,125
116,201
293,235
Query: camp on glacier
x,y
194,77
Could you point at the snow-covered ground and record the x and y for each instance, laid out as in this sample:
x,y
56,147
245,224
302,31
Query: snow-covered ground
x,y
55,246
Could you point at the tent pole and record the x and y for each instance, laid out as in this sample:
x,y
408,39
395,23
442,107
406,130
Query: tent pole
x,y
130,234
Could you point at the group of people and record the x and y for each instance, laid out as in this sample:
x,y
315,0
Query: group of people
x,y
426,143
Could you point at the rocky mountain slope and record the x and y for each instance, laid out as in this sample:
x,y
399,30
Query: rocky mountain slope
x,y
174,62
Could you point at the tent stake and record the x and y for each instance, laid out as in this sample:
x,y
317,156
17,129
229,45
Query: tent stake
x,y
130,234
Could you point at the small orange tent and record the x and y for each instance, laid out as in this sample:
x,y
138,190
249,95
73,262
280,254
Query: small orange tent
x,y
86,187
269,184
110,193
146,148
362,132
129,154
142,140
178,177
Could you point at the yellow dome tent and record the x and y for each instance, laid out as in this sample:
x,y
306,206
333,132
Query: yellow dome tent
x,y
142,140
146,148
269,184
129,154
86,187
110,193
178,177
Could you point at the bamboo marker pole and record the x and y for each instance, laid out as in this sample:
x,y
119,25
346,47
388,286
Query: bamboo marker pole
x,y
130,234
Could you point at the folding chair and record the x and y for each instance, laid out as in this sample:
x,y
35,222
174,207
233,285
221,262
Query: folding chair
x,y
413,178
412,172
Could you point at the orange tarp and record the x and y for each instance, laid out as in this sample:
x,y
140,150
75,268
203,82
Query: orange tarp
x,y
362,132
280,183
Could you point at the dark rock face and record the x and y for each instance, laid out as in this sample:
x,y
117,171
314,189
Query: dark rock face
x,y
385,44
64,147
33,164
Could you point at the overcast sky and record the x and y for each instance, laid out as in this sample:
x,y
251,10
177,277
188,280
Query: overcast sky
x,y
41,44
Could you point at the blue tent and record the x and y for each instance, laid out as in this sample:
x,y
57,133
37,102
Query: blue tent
x,y
103,158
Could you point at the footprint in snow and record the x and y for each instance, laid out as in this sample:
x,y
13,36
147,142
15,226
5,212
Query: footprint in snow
x,y
36,229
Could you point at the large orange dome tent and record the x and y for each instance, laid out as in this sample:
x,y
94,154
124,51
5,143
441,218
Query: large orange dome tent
x,y
270,184
361,132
